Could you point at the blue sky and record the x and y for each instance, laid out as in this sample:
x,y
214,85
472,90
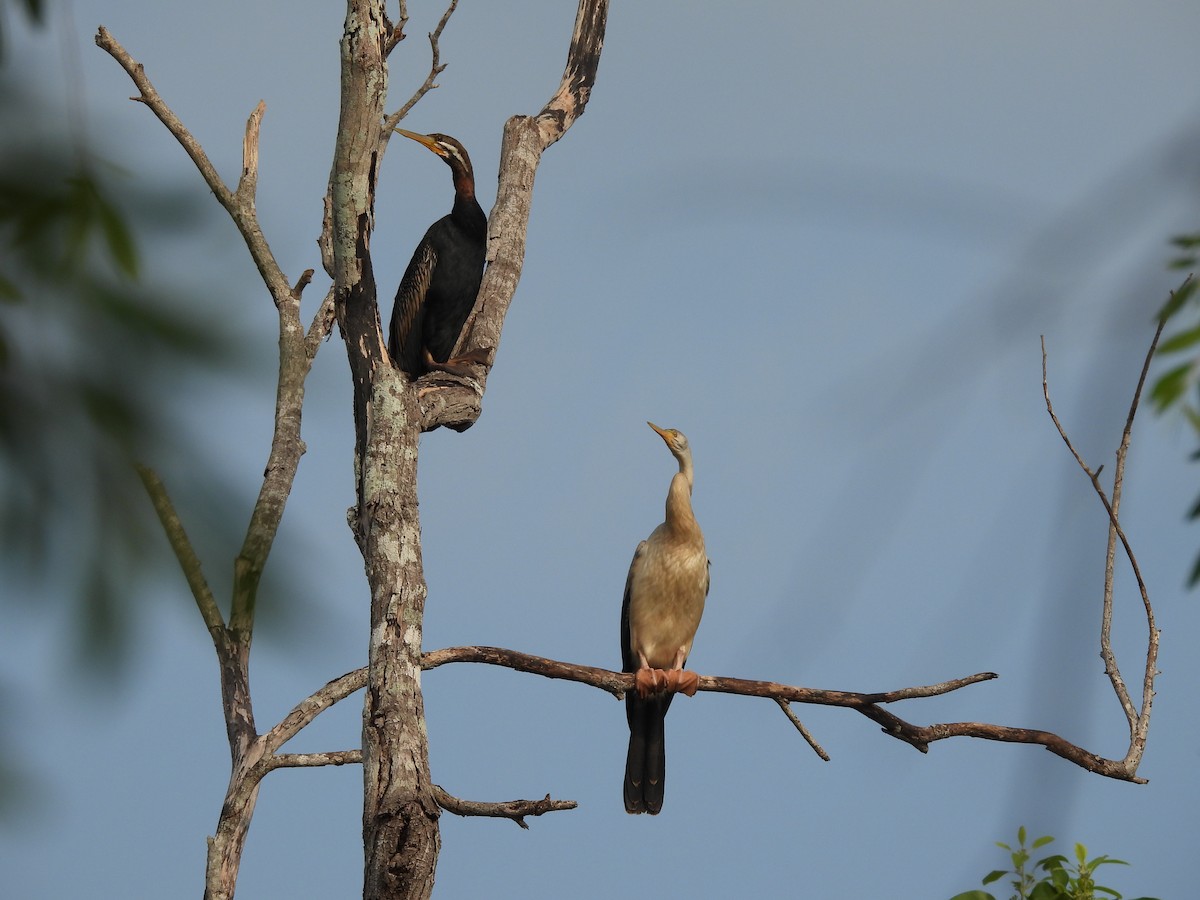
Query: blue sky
x,y
821,241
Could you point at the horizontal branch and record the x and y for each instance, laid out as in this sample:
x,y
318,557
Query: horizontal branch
x,y
617,683
312,760
868,704
516,810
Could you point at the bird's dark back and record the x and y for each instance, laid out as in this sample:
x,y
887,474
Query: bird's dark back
x,y
460,241
439,287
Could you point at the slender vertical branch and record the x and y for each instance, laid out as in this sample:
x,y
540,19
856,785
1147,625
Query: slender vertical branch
x,y
1139,722
184,552
1137,718
436,68
296,354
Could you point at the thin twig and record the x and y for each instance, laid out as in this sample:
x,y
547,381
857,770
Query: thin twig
x,y
149,96
436,67
397,33
1140,731
1138,719
516,810
184,551
804,732
239,204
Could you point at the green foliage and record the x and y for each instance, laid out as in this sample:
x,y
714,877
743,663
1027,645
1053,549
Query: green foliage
x,y
1059,878
1178,388
92,359
88,356
34,9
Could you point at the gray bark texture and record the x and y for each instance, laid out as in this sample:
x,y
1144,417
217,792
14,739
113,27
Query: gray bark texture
x,y
400,810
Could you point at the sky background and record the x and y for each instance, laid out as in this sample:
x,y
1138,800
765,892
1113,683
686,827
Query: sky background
x,y
823,242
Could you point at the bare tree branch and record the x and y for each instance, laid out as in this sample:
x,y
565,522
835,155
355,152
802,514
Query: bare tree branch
x,y
310,760
396,35
312,706
516,810
240,203
436,68
804,732
296,353
295,362
868,704
456,403
184,552
616,683
1138,719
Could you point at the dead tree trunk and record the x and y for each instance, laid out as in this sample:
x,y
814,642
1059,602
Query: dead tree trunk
x,y
400,812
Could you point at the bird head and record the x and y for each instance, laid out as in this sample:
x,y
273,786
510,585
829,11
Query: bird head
x,y
677,443
444,146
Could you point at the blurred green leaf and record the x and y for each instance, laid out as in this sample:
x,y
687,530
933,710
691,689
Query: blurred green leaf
x,y
1182,340
994,875
1178,298
120,241
1170,386
1194,576
90,357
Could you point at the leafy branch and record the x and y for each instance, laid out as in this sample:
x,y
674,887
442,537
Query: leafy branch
x,y
1060,879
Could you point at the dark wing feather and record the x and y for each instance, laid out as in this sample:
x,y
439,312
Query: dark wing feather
x,y
404,332
628,662
646,759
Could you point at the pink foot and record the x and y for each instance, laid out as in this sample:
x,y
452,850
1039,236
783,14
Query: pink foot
x,y
683,681
649,681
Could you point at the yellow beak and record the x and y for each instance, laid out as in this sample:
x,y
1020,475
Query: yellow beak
x,y
422,139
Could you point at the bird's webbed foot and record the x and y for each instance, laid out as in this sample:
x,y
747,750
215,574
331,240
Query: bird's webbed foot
x,y
649,681
458,365
673,681
683,681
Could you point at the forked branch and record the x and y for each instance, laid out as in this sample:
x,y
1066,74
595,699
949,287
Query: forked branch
x,y
436,67
297,349
1138,718
456,402
516,810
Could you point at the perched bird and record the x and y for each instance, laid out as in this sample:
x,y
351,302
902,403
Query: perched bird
x,y
442,280
664,599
